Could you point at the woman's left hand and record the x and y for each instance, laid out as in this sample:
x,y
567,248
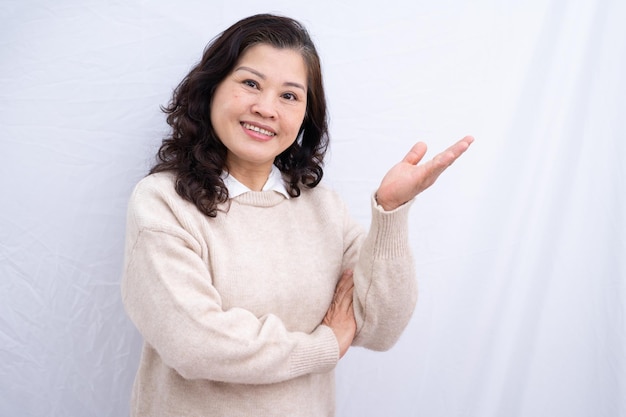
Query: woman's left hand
x,y
408,178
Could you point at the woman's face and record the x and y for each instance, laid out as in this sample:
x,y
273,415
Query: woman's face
x,y
257,110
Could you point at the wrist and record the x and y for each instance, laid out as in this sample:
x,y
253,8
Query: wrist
x,y
384,204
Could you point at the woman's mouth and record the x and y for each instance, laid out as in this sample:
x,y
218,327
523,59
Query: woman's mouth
x,y
258,129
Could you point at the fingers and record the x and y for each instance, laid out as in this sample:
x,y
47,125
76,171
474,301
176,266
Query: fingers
x,y
461,146
444,159
409,178
345,280
344,291
340,314
416,153
436,166
458,148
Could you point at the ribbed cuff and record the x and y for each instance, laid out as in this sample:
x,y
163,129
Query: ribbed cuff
x,y
390,230
316,353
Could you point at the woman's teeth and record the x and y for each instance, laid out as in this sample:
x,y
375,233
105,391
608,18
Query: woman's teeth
x,y
258,129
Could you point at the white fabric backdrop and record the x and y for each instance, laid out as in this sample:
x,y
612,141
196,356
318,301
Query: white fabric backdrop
x,y
520,246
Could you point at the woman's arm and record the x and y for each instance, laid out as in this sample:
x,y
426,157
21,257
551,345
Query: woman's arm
x,y
385,288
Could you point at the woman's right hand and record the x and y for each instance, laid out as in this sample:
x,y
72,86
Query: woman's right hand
x,y
340,314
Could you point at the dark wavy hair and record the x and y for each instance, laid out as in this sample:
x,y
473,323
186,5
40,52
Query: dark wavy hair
x,y
194,152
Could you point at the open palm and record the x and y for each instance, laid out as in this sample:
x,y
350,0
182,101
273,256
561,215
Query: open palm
x,y
408,178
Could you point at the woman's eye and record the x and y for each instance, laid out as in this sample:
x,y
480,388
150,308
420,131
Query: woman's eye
x,y
251,83
290,96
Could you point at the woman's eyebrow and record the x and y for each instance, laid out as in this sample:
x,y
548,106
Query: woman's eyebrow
x,y
261,76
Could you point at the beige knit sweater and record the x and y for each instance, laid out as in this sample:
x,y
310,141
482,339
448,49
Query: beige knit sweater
x,y
230,307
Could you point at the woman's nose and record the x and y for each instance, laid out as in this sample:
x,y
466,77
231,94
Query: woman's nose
x,y
264,106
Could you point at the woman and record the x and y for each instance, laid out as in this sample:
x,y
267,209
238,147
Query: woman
x,y
247,279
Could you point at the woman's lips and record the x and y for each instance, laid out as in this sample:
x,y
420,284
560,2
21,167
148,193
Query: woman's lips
x,y
263,133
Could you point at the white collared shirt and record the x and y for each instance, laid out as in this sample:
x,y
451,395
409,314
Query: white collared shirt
x,y
274,182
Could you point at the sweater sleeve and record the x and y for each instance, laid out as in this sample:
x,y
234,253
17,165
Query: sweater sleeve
x,y
385,285
167,293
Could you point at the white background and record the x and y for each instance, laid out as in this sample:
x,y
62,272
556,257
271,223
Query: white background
x,y
520,247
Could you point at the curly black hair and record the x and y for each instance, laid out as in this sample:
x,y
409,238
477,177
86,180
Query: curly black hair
x,y
194,152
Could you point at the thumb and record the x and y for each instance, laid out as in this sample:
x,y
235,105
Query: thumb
x,y
416,153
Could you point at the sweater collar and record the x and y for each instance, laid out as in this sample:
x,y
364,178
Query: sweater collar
x,y
274,182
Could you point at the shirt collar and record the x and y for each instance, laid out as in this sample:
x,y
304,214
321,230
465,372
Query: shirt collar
x,y
274,182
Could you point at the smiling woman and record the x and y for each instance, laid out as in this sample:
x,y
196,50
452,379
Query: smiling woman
x,y
247,279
